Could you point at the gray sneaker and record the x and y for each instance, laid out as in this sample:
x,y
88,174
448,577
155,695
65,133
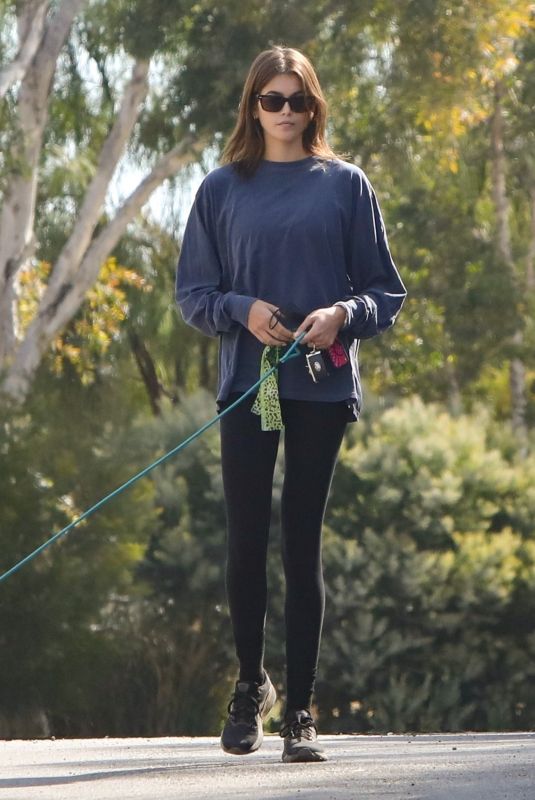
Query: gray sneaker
x,y
250,704
301,738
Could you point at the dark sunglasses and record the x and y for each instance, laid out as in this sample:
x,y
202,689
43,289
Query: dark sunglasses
x,y
275,102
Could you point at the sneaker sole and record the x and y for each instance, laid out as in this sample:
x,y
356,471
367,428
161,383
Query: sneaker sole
x,y
235,751
303,755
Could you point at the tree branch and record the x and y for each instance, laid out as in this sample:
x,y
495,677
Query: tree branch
x,y
168,165
76,246
31,24
56,32
70,294
17,213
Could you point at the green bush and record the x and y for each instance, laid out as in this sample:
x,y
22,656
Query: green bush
x,y
429,557
430,572
65,450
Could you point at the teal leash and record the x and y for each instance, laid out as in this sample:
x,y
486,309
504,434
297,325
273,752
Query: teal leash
x,y
290,353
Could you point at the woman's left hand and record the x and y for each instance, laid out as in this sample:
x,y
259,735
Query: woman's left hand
x,y
322,326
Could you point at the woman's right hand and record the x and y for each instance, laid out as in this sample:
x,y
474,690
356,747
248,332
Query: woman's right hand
x,y
261,323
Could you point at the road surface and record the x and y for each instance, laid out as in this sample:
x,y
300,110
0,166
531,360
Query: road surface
x,y
482,766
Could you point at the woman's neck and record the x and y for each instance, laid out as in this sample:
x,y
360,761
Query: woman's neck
x,y
276,151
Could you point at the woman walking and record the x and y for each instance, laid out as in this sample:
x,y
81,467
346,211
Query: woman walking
x,y
284,238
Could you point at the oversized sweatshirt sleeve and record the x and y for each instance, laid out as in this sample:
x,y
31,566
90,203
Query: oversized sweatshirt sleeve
x,y
199,289
378,292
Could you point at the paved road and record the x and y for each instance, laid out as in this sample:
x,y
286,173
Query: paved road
x,y
484,766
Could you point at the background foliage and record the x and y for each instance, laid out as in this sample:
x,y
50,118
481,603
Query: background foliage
x,y
429,546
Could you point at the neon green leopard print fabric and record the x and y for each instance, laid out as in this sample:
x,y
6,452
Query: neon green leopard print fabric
x,y
267,403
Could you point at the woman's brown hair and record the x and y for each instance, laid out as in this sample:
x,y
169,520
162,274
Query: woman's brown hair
x,y
245,146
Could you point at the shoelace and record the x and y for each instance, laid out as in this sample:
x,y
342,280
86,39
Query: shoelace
x,y
243,707
299,730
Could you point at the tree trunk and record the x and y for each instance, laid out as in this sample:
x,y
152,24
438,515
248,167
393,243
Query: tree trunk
x,y
147,370
530,265
17,215
30,24
517,380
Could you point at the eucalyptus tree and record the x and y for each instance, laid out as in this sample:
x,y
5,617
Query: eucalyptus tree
x,y
103,60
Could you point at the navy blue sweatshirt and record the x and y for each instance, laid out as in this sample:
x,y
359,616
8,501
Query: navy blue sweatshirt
x,y
302,234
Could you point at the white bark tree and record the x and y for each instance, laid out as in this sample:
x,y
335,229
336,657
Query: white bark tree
x,y
43,33
30,23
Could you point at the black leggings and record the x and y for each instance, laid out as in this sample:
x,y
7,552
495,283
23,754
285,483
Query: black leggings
x,y
312,436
